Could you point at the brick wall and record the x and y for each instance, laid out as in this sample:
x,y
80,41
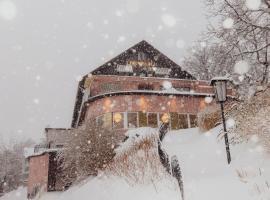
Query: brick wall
x,y
123,83
147,103
38,174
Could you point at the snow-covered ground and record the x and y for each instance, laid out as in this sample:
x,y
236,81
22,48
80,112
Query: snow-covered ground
x,y
207,176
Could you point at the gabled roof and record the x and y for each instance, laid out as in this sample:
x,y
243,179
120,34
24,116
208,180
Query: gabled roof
x,y
151,53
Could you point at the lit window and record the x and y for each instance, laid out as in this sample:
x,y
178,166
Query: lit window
x,y
164,117
132,119
142,119
183,121
105,120
193,121
179,121
152,120
118,120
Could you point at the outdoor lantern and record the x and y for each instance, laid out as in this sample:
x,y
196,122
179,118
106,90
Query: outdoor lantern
x,y
220,87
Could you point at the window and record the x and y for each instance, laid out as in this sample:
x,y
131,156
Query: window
x,y
162,71
164,117
193,121
124,68
118,120
145,86
108,87
183,121
105,121
179,121
174,121
132,119
182,89
142,119
152,120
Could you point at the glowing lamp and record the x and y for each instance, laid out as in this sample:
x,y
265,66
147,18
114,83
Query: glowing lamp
x,y
165,118
117,117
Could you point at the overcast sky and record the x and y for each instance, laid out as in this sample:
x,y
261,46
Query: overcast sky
x,y
45,45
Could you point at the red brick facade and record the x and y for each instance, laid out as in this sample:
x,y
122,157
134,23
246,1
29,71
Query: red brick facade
x,y
38,174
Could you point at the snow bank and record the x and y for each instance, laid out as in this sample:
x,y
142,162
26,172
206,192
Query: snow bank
x,y
206,174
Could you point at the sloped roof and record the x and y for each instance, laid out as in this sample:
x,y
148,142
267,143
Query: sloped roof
x,y
162,61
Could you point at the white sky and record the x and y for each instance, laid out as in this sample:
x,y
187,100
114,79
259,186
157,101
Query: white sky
x,y
46,44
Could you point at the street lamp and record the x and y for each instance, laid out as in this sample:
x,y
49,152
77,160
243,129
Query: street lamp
x,y
220,87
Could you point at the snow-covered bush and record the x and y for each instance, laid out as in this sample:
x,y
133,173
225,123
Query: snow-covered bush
x,y
89,149
137,159
253,120
208,118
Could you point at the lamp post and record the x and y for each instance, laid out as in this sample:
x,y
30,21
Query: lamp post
x,y
220,87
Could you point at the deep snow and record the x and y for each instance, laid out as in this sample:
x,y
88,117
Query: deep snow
x,y
207,176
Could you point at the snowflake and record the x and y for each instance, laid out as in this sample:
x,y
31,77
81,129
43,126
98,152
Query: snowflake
x,y
180,44
8,10
105,21
253,4
38,77
36,101
228,23
203,44
121,39
241,67
78,78
119,13
241,78
230,123
167,85
208,99
168,20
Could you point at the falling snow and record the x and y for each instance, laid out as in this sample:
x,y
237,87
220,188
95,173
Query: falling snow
x,y
208,99
167,85
241,67
228,23
168,20
8,10
253,4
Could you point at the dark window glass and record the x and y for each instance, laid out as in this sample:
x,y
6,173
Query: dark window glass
x,y
183,121
142,119
174,121
179,121
118,120
132,120
145,86
193,121
152,120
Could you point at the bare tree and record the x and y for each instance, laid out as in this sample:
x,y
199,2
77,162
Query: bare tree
x,y
12,162
205,61
248,38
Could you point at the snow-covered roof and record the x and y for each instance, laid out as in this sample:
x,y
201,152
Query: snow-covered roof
x,y
39,153
219,78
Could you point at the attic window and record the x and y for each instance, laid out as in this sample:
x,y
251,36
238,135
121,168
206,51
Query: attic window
x,y
124,68
162,71
141,56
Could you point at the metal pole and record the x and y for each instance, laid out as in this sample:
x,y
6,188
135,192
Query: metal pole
x,y
225,134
